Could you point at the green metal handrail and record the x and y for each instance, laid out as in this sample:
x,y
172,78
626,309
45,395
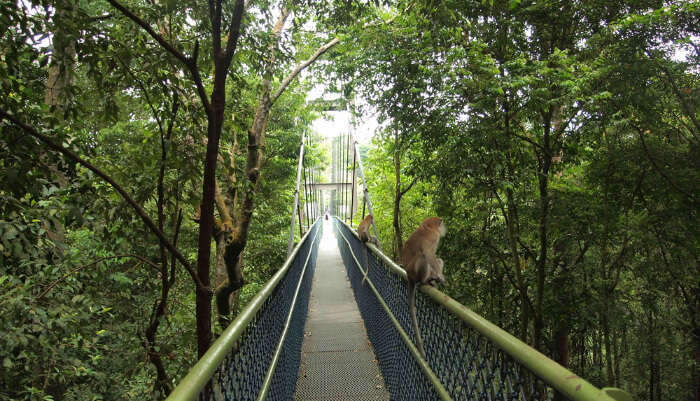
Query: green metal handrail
x,y
552,373
275,358
432,377
200,374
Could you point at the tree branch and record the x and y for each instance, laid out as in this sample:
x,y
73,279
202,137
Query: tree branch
x,y
402,193
659,169
215,19
681,99
145,93
139,210
301,67
530,141
77,269
189,62
184,59
234,30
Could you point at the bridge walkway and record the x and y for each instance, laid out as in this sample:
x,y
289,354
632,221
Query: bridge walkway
x,y
337,359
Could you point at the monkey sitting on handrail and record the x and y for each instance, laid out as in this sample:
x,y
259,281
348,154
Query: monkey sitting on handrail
x,y
421,264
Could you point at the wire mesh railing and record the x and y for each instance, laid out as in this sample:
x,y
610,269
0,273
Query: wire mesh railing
x,y
468,358
257,356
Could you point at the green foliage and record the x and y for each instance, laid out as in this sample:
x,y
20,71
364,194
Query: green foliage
x,y
80,273
559,142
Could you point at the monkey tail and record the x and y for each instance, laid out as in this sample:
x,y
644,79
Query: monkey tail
x,y
414,320
366,266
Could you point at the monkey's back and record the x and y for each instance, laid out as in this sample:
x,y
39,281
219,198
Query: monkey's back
x,y
413,251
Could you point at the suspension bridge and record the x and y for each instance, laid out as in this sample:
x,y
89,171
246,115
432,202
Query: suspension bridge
x,y
316,331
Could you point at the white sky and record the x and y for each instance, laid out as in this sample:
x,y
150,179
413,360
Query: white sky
x,y
338,122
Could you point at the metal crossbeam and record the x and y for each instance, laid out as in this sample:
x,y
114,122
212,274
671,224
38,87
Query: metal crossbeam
x,y
330,186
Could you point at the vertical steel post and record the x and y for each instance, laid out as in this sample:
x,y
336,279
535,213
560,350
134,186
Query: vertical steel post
x,y
296,198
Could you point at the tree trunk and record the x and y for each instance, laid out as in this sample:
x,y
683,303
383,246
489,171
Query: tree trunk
x,y
62,65
206,222
616,358
561,339
695,375
243,211
542,259
512,226
605,327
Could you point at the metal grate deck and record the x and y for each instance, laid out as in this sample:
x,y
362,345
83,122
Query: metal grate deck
x,y
337,360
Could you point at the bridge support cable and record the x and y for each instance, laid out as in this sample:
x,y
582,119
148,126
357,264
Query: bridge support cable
x,y
312,200
345,177
299,217
365,190
352,187
339,193
342,176
348,195
473,358
306,193
314,196
265,337
336,164
295,207
317,195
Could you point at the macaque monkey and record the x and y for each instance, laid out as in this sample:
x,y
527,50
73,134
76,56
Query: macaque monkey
x,y
365,237
421,265
363,230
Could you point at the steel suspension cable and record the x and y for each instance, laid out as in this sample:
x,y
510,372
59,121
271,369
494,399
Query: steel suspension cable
x,y
296,197
341,179
347,180
314,197
336,167
305,216
352,187
306,195
366,191
308,185
301,229
345,170
364,202
345,175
